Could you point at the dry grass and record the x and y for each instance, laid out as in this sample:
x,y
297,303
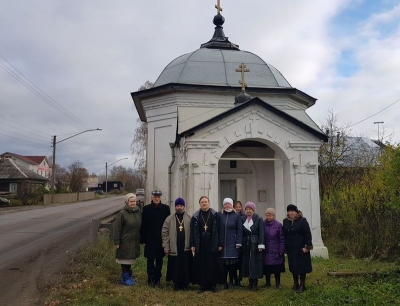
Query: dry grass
x,y
93,279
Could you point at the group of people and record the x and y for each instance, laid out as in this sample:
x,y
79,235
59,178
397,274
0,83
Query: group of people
x,y
210,247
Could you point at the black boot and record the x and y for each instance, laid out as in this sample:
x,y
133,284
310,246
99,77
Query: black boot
x,y
295,282
302,286
255,285
278,281
267,281
250,284
151,283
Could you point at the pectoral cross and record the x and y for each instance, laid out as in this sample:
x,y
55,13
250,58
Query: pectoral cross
x,y
218,7
205,227
242,70
180,228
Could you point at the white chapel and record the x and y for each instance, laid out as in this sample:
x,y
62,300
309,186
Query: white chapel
x,y
224,123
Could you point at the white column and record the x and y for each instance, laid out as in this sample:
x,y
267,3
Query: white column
x,y
241,192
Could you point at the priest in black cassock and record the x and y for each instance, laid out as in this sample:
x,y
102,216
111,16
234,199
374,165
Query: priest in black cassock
x,y
205,241
175,235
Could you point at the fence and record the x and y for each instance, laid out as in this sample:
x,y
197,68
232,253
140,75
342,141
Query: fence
x,y
68,197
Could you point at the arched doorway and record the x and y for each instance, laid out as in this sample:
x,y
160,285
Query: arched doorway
x,y
253,170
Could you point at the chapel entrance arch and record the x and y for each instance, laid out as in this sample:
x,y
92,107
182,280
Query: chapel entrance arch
x,y
254,170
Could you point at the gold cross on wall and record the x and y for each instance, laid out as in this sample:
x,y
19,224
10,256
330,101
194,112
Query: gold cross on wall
x,y
218,7
242,70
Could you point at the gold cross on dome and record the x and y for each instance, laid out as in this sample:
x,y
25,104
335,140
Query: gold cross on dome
x,y
242,70
218,6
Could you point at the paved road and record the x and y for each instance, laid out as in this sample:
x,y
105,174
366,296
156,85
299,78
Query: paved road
x,y
35,245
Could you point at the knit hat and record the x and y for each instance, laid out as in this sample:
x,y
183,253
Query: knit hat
x,y
227,200
270,211
250,205
128,196
179,201
292,207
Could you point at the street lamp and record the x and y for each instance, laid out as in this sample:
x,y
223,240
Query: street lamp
x,y
54,156
110,165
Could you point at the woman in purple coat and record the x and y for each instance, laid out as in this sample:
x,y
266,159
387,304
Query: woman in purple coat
x,y
274,241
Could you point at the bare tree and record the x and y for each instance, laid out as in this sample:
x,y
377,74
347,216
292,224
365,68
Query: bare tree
x,y
78,176
344,158
139,142
129,177
62,179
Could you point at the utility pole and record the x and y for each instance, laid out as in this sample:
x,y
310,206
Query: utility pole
x,y
53,169
378,122
106,180
54,158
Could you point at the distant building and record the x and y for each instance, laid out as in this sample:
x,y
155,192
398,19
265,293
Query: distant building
x,y
354,152
38,164
13,174
92,182
111,185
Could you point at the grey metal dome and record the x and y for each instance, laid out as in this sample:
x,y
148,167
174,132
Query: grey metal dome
x,y
207,66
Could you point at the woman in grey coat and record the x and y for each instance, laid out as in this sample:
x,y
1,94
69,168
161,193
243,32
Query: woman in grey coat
x,y
127,237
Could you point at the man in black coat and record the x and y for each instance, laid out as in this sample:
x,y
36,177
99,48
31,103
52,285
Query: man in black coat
x,y
153,217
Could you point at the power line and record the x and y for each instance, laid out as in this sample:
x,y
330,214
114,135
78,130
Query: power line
x,y
22,130
24,140
24,135
375,113
54,104
24,125
45,97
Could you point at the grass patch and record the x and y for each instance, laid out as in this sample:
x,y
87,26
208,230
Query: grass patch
x,y
93,279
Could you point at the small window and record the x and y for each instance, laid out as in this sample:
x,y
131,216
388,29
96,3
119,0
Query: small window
x,y
13,187
232,164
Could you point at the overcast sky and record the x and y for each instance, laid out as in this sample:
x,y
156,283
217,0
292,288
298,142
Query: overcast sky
x,y
79,61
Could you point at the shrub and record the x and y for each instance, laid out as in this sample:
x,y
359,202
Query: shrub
x,y
361,219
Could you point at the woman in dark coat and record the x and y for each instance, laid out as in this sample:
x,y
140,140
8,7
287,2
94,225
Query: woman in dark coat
x,y
127,237
298,245
274,253
238,207
253,245
231,231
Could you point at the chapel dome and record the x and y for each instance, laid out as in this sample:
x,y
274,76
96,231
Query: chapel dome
x,y
217,66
